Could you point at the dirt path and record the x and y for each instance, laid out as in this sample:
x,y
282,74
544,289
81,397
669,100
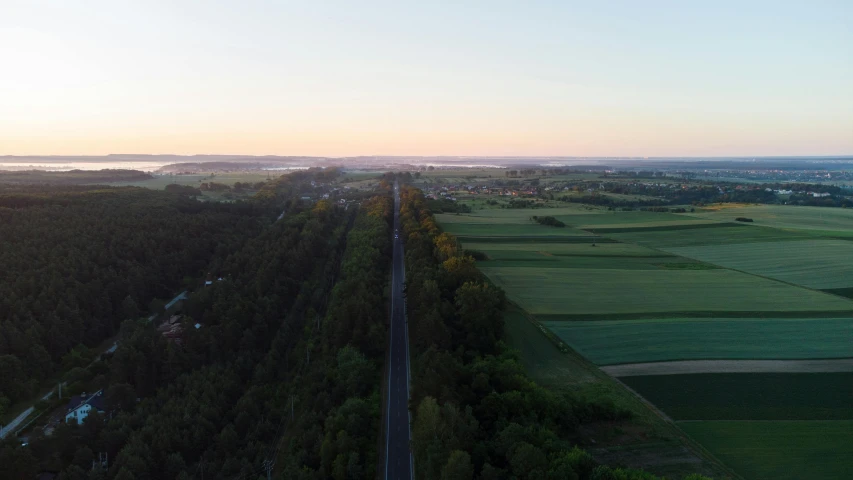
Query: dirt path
x,y
730,366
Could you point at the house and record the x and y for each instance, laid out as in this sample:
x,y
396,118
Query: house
x,y
80,405
172,330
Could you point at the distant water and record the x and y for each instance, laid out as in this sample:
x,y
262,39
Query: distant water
x,y
459,165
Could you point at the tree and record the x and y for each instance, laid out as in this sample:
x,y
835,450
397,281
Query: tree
x,y
17,462
125,474
129,308
527,461
354,371
458,467
119,397
479,307
12,381
83,457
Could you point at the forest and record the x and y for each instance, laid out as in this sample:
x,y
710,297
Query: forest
x,y
77,261
284,370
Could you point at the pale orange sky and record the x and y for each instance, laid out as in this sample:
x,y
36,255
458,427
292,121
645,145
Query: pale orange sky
x,y
389,78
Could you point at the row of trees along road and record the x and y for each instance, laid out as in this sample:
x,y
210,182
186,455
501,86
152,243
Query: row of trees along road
x,y
476,412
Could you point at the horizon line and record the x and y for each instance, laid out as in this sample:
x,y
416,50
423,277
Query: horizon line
x,y
508,157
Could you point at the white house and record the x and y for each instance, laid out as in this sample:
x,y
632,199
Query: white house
x,y
80,405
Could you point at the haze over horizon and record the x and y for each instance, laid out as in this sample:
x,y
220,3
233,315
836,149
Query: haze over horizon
x,y
656,79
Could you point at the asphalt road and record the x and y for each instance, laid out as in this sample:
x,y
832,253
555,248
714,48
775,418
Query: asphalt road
x,y
399,463
7,429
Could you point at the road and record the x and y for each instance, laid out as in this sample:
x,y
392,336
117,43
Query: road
x,y
7,429
399,463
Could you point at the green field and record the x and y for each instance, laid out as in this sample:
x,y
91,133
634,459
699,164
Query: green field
x,y
709,236
569,249
749,396
824,221
780,450
513,258
824,264
627,218
159,182
665,287
580,291
654,340
511,230
447,218
586,239
515,215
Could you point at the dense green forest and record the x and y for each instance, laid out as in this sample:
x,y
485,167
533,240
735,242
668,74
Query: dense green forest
x,y
285,367
73,177
336,427
77,261
476,413
213,403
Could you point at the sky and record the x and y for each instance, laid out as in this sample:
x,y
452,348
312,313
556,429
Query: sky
x,y
508,78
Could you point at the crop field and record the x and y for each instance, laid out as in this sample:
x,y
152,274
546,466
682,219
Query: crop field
x,y
644,226
749,396
661,227
654,340
501,259
559,291
685,367
510,230
570,249
838,220
638,218
709,236
823,264
506,215
159,182
780,450
707,318
448,218
587,239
